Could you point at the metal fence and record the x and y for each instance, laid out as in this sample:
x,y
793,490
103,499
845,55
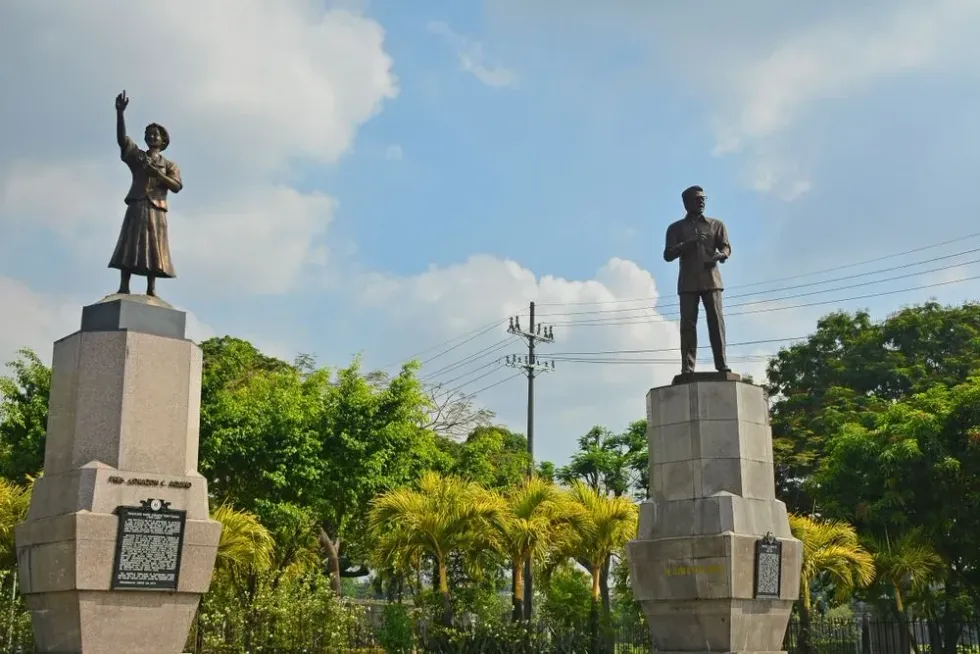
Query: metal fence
x,y
862,635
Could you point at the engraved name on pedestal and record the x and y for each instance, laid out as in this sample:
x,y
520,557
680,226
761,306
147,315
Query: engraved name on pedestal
x,y
768,567
148,546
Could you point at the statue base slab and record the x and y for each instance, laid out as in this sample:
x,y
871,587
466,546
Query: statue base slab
x,y
121,447
696,567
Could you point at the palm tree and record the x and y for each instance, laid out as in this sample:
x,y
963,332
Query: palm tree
x,y
245,547
605,526
906,562
445,515
533,522
14,501
830,548
607,523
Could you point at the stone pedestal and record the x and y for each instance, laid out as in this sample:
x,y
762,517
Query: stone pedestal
x,y
693,564
122,430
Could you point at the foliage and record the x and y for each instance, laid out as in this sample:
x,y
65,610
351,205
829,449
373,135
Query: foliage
x,y
915,467
245,547
831,554
396,634
444,516
14,502
23,417
605,526
536,518
567,599
850,369
493,457
295,615
831,549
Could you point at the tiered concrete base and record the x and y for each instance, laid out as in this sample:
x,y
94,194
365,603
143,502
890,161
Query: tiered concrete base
x,y
122,429
712,498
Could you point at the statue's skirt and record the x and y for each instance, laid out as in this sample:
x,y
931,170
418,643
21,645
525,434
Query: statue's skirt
x,y
143,247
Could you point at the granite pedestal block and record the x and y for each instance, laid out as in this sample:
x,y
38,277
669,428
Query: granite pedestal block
x,y
712,498
123,425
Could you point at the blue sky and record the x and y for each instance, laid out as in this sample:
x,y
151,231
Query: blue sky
x,y
381,177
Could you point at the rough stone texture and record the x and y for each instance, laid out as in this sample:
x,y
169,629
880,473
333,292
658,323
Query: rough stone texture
x,y
712,497
125,405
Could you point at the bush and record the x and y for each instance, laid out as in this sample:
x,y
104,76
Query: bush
x,y
396,634
298,614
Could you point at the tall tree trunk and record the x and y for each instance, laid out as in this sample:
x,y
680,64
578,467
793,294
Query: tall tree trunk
x,y
804,644
332,548
447,604
596,571
908,636
604,585
517,598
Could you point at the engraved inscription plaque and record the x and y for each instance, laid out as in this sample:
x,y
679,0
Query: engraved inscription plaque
x,y
768,567
148,545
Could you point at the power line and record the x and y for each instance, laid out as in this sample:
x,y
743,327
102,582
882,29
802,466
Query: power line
x,y
786,297
490,349
464,375
751,358
465,384
637,320
483,329
672,349
498,383
790,277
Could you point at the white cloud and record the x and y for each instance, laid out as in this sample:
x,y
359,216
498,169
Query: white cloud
x,y
444,302
394,153
36,320
259,240
765,73
472,58
832,60
245,87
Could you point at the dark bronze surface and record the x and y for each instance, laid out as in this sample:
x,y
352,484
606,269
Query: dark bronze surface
x,y
701,243
143,247
692,377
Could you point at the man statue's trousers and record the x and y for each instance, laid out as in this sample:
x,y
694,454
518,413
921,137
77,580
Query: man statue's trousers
x,y
689,328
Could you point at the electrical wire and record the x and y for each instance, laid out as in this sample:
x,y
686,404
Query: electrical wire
x,y
479,331
672,349
486,388
458,377
790,277
638,320
785,297
472,358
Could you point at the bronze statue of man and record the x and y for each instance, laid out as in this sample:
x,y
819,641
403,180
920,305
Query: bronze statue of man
x,y
143,247
701,243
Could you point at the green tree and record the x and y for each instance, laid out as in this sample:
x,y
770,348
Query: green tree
x,y
852,368
442,517
614,464
14,502
23,416
915,468
374,440
534,521
831,550
493,457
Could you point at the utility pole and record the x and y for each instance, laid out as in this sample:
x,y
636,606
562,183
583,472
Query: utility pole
x,y
532,368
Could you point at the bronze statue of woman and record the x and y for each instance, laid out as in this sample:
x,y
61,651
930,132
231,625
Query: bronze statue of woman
x,y
143,247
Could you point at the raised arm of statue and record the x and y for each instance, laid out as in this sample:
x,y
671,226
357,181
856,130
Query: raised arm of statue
x,y
121,103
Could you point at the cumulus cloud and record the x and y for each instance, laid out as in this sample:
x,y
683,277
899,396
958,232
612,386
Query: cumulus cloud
x,y
246,88
614,312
